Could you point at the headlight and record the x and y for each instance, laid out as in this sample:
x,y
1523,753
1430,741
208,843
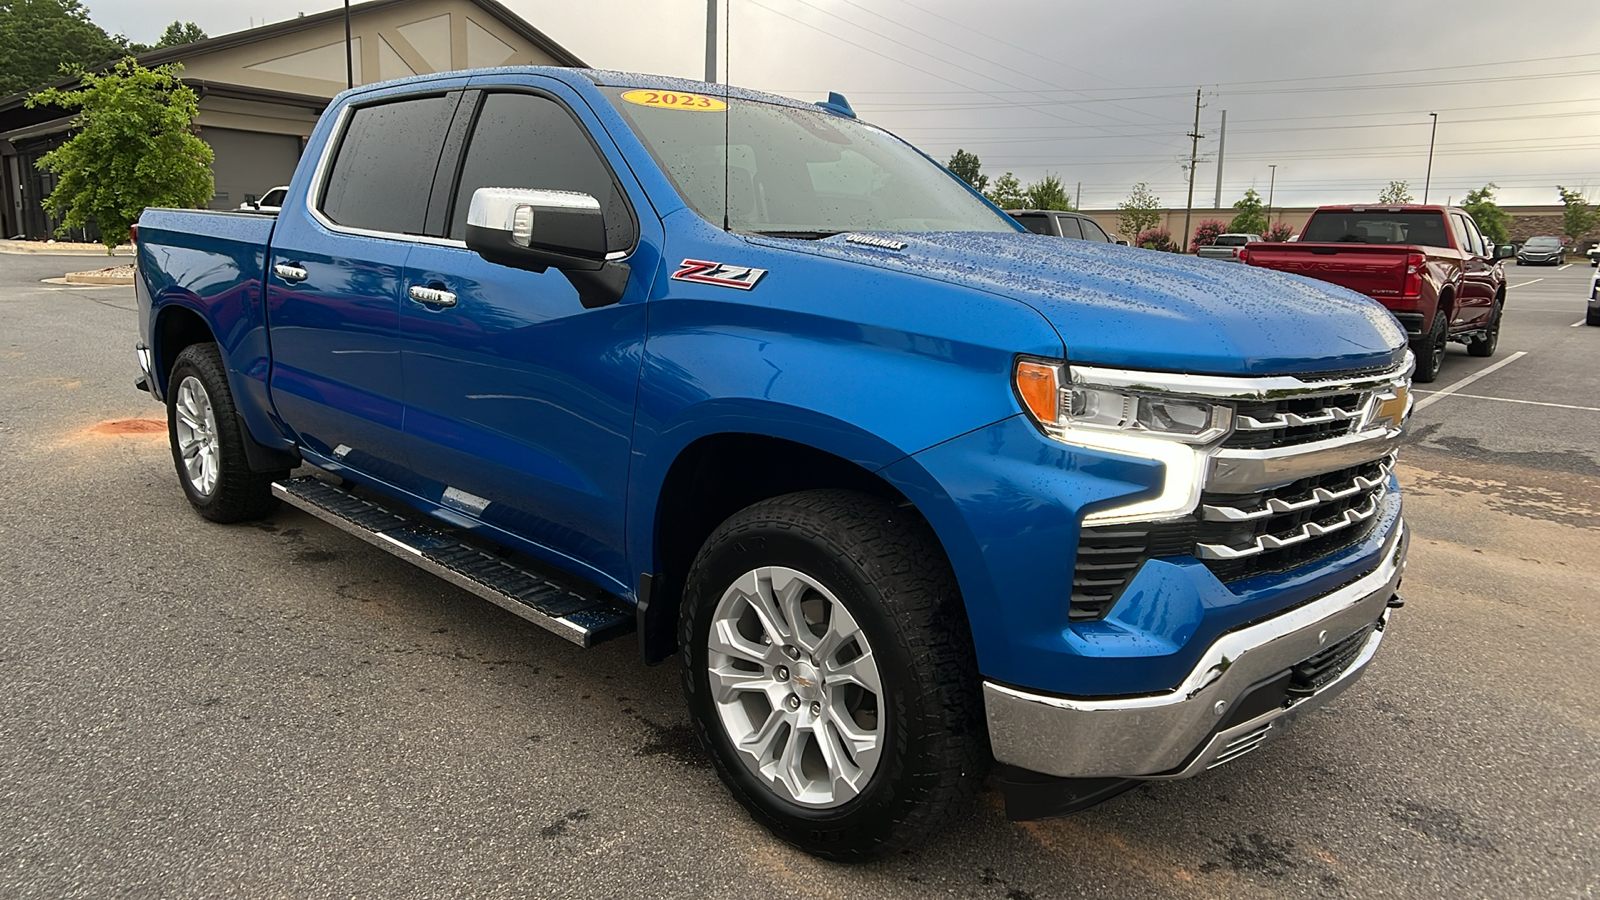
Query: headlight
x,y
1129,423
1078,405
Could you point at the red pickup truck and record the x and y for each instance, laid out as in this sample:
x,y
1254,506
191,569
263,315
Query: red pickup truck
x,y
1429,265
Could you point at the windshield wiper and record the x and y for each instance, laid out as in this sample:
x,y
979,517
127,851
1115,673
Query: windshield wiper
x,y
802,235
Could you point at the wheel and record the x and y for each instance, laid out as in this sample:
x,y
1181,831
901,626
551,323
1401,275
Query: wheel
x,y
1430,350
1485,344
1592,317
207,443
829,671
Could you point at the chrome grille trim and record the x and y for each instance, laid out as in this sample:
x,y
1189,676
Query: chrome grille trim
x,y
1291,420
1275,506
1305,532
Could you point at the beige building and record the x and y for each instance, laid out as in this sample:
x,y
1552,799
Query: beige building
x,y
261,90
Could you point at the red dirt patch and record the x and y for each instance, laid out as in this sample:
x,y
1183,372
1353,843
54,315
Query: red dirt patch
x,y
130,426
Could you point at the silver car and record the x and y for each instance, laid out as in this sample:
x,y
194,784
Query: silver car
x,y
1226,246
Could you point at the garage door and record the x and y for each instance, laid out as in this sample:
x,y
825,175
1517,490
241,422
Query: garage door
x,y
249,163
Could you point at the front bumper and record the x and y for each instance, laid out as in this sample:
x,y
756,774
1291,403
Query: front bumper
x,y
1182,732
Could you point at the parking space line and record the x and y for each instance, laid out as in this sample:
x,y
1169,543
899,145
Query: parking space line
x,y
1566,267
1527,402
1577,323
1426,402
1526,283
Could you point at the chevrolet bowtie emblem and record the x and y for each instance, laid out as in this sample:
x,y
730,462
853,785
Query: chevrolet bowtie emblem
x,y
1393,409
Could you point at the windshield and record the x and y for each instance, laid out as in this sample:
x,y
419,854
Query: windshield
x,y
1377,227
1542,243
795,172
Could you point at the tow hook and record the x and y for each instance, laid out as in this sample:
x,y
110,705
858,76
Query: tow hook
x,y
1396,601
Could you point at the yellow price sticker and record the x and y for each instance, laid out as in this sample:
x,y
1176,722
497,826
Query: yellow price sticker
x,y
675,100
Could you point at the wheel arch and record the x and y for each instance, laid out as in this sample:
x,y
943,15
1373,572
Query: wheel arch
x,y
177,327
715,476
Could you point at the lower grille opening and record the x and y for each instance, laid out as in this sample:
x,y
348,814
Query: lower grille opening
x,y
1317,671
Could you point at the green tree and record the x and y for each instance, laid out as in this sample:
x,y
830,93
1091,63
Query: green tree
x,y
1252,214
38,38
1491,219
1140,212
1578,217
1047,193
1397,193
181,33
134,148
1007,193
966,167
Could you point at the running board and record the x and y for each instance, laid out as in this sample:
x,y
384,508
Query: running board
x,y
583,620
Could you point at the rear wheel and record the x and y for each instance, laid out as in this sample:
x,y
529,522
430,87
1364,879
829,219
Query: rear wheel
x,y
208,442
1430,349
829,671
1485,344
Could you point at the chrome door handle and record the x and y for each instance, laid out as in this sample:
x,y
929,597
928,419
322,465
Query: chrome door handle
x,y
432,296
291,274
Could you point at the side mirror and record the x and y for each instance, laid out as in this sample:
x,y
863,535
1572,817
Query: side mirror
x,y
1122,242
1505,251
537,229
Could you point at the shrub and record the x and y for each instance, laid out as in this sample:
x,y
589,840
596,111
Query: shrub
x,y
1157,239
1278,233
1205,234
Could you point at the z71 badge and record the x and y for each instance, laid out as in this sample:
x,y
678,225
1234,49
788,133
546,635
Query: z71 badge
x,y
720,274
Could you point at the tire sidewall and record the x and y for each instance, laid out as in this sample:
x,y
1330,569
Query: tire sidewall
x,y
1430,350
873,810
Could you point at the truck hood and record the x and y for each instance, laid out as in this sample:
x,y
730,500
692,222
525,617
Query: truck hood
x,y
1143,309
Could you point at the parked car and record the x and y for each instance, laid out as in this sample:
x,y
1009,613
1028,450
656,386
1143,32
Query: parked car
x,y
1227,246
1593,315
1429,265
1594,255
1062,224
903,489
1545,250
270,202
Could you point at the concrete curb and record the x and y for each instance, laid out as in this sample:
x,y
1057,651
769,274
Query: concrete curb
x,y
39,248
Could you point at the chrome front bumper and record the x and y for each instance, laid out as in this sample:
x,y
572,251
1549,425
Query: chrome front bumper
x,y
1175,734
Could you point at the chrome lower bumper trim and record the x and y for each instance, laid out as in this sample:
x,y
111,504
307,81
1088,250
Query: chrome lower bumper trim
x,y
1173,734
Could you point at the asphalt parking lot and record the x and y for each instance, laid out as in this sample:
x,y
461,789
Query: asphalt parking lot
x,y
278,710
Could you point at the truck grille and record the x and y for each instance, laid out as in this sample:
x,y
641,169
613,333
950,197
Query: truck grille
x,y
1325,665
1296,420
1235,536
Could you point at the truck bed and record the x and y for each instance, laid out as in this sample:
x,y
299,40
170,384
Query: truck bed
x,y
1377,270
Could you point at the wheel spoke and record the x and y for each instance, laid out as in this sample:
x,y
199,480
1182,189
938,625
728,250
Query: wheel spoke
x,y
834,753
787,768
728,683
788,597
862,670
726,639
859,741
756,587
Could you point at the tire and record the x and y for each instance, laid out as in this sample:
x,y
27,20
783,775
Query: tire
x,y
872,579
1485,344
1592,317
1430,350
208,444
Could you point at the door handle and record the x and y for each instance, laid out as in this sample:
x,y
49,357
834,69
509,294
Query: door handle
x,y
428,296
290,273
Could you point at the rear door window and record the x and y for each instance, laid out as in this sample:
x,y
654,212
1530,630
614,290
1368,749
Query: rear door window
x,y
384,169
1038,223
1093,232
1069,227
531,141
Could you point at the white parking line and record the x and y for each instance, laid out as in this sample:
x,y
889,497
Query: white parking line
x,y
1526,283
1426,402
1566,267
1528,402
1577,323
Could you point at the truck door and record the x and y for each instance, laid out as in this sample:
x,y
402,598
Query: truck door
x,y
1477,276
520,402
333,282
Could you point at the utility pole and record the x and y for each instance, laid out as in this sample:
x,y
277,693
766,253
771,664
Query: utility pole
x,y
349,58
1222,144
1194,155
1078,203
711,40
1429,179
1270,185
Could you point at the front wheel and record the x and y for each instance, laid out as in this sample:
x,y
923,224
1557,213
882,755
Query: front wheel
x,y
208,441
829,672
1485,344
1430,349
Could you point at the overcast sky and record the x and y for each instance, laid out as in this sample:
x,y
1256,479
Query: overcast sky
x,y
1336,95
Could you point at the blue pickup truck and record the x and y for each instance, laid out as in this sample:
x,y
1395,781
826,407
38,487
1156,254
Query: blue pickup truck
x,y
910,493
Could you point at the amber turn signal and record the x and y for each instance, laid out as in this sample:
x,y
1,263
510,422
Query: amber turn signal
x,y
1039,386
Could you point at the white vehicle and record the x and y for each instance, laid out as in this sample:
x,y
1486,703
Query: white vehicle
x,y
270,202
1226,246
1594,256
